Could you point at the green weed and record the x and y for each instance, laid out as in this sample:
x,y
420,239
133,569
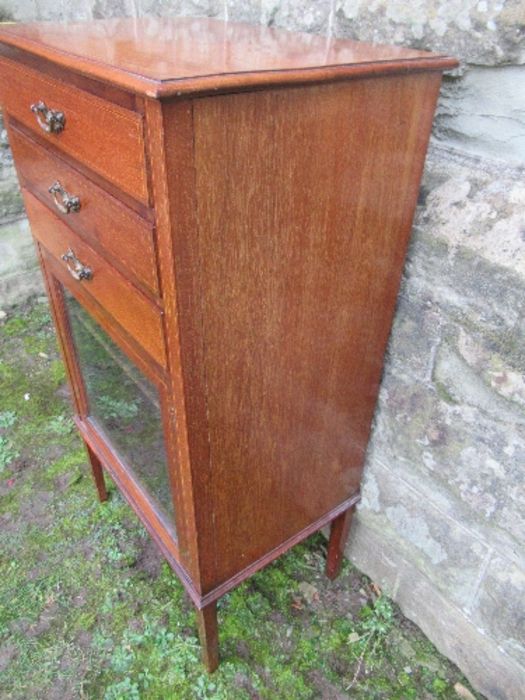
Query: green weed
x,y
7,419
8,453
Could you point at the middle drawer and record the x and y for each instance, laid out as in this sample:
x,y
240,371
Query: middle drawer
x,y
91,211
139,317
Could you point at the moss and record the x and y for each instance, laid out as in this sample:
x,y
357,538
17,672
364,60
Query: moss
x,y
443,393
14,326
57,373
507,342
91,610
67,462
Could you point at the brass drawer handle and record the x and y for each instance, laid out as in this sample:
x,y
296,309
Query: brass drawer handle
x,y
66,203
75,268
50,120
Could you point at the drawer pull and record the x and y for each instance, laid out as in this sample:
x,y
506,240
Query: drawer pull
x,y
64,202
75,268
50,120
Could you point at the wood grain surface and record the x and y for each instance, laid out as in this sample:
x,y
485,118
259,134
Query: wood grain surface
x,y
305,199
169,56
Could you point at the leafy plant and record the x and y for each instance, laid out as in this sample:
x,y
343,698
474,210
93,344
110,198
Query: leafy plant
x,y
7,453
116,409
7,419
124,690
377,619
61,425
376,622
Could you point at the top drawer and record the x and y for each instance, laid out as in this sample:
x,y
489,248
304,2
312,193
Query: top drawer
x,y
103,136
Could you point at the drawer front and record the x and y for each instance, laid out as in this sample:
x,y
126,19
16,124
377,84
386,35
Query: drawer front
x,y
139,317
104,136
88,209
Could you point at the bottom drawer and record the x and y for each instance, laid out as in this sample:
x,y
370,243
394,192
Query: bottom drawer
x,y
139,317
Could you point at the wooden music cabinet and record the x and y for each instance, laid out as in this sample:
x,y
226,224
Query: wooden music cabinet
x,y
222,213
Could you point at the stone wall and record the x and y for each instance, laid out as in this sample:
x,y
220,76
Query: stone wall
x,y
442,523
19,273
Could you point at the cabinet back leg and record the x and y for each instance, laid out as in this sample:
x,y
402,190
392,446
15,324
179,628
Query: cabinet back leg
x,y
209,636
98,474
339,528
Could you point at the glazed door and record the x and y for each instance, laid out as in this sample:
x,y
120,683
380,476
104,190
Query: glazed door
x,y
123,405
121,409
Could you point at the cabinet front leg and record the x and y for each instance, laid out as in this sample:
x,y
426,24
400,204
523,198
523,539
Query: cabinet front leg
x,y
98,474
209,636
339,528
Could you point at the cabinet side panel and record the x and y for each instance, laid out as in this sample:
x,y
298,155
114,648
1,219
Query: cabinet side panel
x,y
305,200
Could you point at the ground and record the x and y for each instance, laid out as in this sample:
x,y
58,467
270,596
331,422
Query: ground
x,y
88,608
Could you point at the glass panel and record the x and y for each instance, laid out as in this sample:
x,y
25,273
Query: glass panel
x,y
124,404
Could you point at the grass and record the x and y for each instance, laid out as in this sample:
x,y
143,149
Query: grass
x,y
88,609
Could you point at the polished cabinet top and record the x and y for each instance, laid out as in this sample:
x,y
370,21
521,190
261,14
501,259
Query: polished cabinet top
x,y
170,56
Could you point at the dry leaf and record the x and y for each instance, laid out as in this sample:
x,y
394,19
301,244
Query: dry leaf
x,y
463,692
353,637
376,589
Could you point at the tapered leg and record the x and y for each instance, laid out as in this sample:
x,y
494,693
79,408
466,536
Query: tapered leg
x,y
339,528
209,636
98,474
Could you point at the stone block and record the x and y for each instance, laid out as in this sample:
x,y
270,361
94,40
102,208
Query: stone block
x,y
11,206
442,549
175,8
103,9
490,670
24,11
20,276
416,333
298,15
244,11
501,373
511,517
478,31
500,606
21,10
459,384
472,291
483,113
465,463
292,15
476,205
